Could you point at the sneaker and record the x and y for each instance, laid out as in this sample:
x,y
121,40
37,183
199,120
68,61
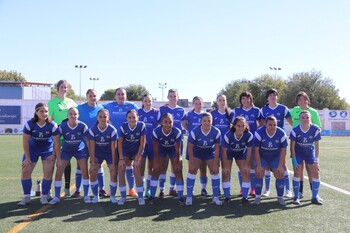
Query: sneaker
x,y
316,201
75,194
266,193
113,199
147,193
281,201
217,201
95,199
257,201
181,201
66,193
288,194
43,200
189,201
301,196
25,201
296,201
161,195
227,201
252,193
204,193
122,201
142,201
54,201
102,193
245,201
132,193
87,200
319,198
240,193
173,193
151,201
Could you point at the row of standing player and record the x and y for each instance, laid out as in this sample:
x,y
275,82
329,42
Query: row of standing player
x,y
117,113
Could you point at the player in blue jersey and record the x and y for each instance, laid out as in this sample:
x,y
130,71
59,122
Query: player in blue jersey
x,y
167,144
305,146
254,119
237,144
281,112
270,145
88,114
118,110
150,116
40,139
178,114
73,132
204,145
193,119
103,143
131,143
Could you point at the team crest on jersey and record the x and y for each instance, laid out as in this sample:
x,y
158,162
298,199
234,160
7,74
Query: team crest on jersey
x,y
277,141
137,134
310,136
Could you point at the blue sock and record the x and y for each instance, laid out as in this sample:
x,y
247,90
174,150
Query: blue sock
x,y
267,180
162,179
113,187
226,187
122,190
191,179
130,177
239,178
215,182
245,189
26,186
86,187
286,180
180,188
94,187
315,187
296,186
101,178
148,183
203,180
46,186
139,190
58,185
172,181
78,178
279,187
153,186
253,179
258,186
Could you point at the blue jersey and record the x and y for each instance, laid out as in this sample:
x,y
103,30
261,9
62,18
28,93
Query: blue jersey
x,y
167,142
103,140
41,140
131,138
281,112
270,146
204,143
252,115
193,119
117,112
304,141
151,119
73,138
237,146
178,114
221,121
88,114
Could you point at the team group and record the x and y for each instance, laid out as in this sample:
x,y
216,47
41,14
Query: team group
x,y
125,136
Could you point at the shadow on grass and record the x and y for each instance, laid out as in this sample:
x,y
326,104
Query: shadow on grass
x,y
74,209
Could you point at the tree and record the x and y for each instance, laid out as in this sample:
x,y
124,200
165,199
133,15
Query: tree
x,y
135,92
71,94
108,95
11,76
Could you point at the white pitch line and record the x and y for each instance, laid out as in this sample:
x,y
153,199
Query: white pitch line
x,y
328,185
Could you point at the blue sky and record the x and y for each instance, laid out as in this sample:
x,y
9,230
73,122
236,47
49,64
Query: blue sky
x,y
195,46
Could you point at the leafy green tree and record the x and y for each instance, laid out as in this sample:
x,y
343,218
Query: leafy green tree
x,y
136,91
108,95
11,76
71,94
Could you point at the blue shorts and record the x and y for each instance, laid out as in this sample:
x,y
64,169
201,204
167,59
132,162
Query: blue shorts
x,y
231,155
163,154
101,158
273,163
308,159
34,157
148,152
78,155
204,157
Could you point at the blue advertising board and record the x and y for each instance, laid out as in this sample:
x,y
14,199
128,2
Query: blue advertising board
x,y
10,115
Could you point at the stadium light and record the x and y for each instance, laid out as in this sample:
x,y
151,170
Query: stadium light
x,y
80,67
162,86
93,81
275,69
